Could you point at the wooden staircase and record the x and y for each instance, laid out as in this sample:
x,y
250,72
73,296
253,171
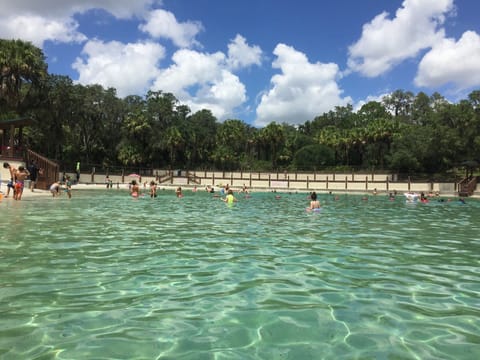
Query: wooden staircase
x,y
48,169
467,186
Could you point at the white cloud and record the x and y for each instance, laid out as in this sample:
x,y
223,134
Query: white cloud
x,y
27,27
202,81
452,62
302,91
377,98
163,24
129,68
66,8
39,21
386,42
240,54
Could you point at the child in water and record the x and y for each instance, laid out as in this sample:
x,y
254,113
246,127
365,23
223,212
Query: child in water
x,y
178,192
153,189
230,199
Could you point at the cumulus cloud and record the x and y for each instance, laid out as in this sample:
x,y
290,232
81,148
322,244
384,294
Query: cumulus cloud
x,y
130,68
386,42
454,62
163,24
377,98
240,54
27,27
39,21
66,8
202,80
302,91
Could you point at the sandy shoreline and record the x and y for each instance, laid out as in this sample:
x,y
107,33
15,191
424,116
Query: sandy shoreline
x,y
39,193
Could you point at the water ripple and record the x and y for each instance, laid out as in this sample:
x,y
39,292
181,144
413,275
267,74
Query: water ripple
x,y
104,276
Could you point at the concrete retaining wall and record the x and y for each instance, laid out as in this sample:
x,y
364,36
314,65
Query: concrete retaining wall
x,y
358,183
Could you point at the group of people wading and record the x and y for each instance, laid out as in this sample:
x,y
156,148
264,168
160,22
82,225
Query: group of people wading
x,y
18,177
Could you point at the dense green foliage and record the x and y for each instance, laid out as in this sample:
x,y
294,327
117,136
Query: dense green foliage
x,y
402,133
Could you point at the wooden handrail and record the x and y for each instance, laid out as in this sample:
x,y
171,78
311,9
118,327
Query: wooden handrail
x,y
162,179
467,186
48,169
194,178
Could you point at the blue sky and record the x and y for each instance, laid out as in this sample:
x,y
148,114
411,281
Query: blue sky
x,y
258,60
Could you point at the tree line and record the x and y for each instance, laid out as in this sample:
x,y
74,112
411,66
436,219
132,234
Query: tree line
x,y
402,133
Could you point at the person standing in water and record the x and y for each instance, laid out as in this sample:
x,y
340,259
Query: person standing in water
x,y
178,192
230,199
68,187
153,189
21,175
134,189
314,203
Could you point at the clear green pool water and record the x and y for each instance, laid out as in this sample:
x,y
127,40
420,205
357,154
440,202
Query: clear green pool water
x,y
104,276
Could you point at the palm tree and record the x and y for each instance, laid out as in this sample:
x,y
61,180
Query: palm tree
x,y
22,69
173,141
273,135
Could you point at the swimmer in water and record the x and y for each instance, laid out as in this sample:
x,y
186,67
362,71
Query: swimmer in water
x,y
314,203
153,189
178,192
134,189
230,199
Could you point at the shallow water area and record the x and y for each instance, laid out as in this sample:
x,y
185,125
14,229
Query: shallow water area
x,y
105,276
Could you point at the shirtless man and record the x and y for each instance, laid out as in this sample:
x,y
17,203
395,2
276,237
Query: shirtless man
x,y
11,183
21,175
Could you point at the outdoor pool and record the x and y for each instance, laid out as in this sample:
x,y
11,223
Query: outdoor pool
x,y
105,276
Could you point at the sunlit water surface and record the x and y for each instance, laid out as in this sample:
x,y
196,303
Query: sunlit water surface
x,y
104,276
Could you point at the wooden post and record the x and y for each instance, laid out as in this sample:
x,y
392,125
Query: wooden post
x,y
269,181
366,183
346,182
326,183
307,183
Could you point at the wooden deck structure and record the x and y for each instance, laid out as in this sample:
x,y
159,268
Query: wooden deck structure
x,y
11,140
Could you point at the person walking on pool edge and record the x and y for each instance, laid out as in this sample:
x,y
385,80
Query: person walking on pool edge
x,y
33,170
11,183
